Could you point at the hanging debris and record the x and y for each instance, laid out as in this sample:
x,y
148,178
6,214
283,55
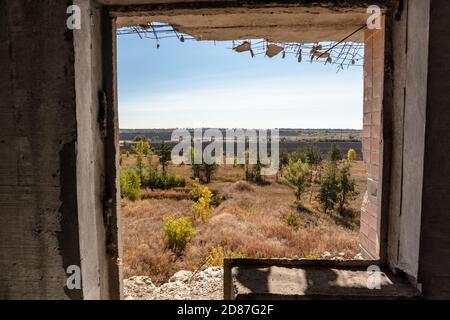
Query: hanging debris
x,y
341,53
273,50
245,46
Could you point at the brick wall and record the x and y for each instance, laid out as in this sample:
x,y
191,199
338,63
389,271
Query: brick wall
x,y
373,96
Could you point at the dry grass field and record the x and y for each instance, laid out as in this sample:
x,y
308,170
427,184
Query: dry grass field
x,y
249,222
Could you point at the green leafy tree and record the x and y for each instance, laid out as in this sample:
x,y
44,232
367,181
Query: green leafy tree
x,y
296,174
346,188
351,155
328,191
142,149
208,170
334,154
313,155
284,158
130,184
196,168
164,155
298,155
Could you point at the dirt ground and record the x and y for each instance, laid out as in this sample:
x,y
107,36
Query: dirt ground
x,y
249,222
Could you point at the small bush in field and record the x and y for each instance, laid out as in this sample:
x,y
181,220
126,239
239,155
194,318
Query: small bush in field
x,y
197,189
351,155
163,180
293,220
313,257
130,185
178,232
202,208
217,255
296,175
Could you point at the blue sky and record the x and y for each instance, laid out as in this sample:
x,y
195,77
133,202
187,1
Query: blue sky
x,y
202,84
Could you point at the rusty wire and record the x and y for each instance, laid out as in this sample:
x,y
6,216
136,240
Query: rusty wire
x,y
340,53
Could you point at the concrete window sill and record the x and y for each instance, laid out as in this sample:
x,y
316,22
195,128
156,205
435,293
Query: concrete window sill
x,y
310,279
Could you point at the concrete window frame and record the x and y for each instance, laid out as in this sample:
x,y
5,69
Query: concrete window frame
x,y
387,212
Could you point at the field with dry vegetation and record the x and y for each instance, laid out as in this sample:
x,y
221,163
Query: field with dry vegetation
x,y
247,220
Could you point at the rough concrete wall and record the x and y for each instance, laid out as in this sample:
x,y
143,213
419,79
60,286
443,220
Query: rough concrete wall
x,y
52,169
414,135
399,55
38,204
90,151
434,268
372,140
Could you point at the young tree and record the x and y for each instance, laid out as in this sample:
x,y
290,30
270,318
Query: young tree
x,y
196,168
351,155
313,157
334,154
296,174
142,149
164,156
284,158
328,191
346,188
208,170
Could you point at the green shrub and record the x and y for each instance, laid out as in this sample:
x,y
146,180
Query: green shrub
x,y
292,220
296,174
197,189
163,180
217,255
130,184
178,232
351,154
202,208
334,154
329,188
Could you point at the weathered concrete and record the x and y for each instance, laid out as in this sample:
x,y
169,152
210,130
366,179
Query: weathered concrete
x,y
316,283
414,135
434,258
59,132
295,24
52,173
38,203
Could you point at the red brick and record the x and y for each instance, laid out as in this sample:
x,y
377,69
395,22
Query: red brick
x,y
367,130
375,158
374,144
364,241
377,104
368,95
373,236
377,88
375,131
364,216
367,118
364,228
374,171
372,209
373,249
376,118
373,221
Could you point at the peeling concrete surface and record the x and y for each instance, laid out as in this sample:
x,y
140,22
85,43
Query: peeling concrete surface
x,y
37,121
315,282
288,24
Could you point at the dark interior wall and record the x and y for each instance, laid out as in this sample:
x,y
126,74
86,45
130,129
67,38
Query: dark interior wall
x,y
53,186
38,203
434,266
